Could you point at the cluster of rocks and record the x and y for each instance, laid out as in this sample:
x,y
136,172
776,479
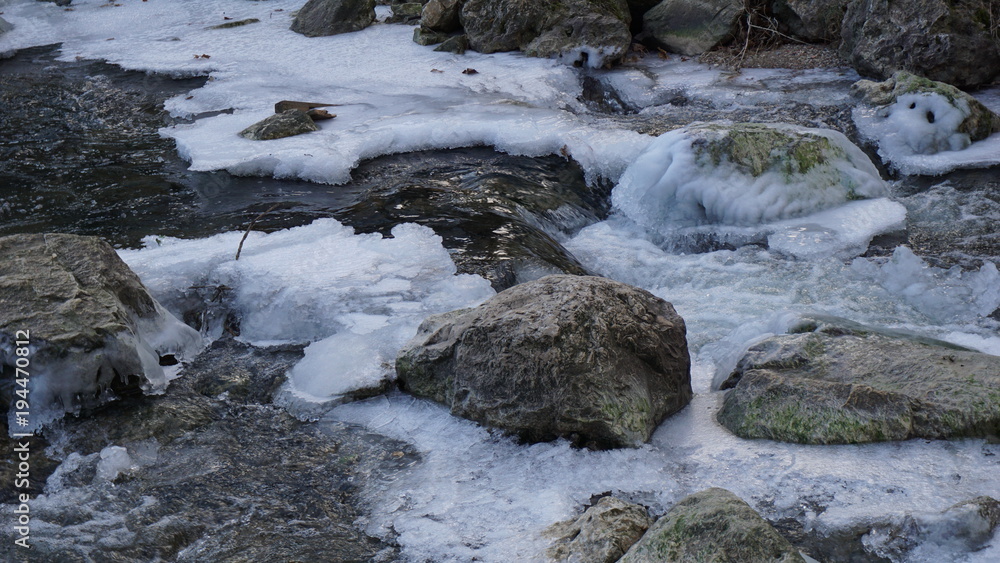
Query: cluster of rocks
x,y
953,42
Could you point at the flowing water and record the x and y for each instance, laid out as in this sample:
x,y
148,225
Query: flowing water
x,y
508,175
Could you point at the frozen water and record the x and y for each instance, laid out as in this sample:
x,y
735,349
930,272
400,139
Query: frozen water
x,y
114,461
355,298
919,134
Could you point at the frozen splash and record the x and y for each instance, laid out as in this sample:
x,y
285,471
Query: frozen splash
x,y
355,298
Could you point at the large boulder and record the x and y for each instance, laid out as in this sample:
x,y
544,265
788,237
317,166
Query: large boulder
x,y
441,15
812,20
590,359
602,534
712,525
944,40
925,116
93,331
586,32
330,17
691,27
830,381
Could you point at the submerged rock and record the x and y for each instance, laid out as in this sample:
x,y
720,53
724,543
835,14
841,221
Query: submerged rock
x,y
331,17
835,382
280,125
590,359
91,329
927,116
712,525
602,534
743,174
587,32
940,39
812,20
691,27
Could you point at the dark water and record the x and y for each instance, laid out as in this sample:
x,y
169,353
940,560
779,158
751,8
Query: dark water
x,y
81,153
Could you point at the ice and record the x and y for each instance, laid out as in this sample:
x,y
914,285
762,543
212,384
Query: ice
x,y
114,461
478,496
919,134
672,185
945,296
354,298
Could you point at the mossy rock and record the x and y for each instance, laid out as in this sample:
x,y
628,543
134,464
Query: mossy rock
x,y
757,148
841,386
712,525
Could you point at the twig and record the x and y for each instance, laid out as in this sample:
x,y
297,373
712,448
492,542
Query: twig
x,y
252,223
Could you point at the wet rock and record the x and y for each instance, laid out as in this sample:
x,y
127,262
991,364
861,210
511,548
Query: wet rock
x,y
691,27
590,359
442,15
812,20
590,32
94,332
965,527
331,17
602,534
712,525
963,117
458,44
835,382
942,40
241,372
285,124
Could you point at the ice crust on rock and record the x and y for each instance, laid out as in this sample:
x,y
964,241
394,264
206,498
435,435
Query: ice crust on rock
x,y
356,298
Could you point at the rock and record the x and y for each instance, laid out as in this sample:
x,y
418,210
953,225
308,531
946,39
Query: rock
x,y
602,534
330,17
914,103
5,26
285,124
95,333
59,2
966,527
691,27
239,23
940,39
424,36
812,20
458,44
836,382
442,15
581,357
713,525
406,13
285,105
590,32
240,372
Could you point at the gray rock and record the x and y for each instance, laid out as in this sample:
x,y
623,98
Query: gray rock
x,y
5,26
59,2
812,20
442,15
424,36
691,27
939,39
838,383
458,44
594,32
581,357
95,332
967,526
602,534
406,13
285,124
978,124
330,17
712,525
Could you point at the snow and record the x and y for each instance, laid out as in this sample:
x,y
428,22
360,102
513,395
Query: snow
x,y
355,298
